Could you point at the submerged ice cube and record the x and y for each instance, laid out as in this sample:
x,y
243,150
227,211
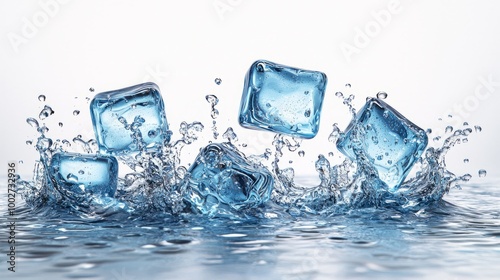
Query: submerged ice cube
x,y
222,179
390,142
282,99
127,119
75,174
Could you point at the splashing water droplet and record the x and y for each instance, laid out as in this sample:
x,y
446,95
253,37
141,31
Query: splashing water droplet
x,y
81,172
45,113
347,85
218,81
339,94
478,128
381,95
302,153
330,154
482,173
60,124
466,124
76,112
307,113
32,122
21,162
72,178
229,135
214,114
91,89
448,129
41,97
212,99
466,160
29,142
152,133
428,131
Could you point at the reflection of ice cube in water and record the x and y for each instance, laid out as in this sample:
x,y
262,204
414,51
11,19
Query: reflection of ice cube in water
x,y
123,117
282,99
222,178
391,143
76,174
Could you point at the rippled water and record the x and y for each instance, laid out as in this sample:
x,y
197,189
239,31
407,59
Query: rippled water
x,y
459,238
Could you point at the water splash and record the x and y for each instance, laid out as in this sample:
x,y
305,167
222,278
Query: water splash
x,y
156,180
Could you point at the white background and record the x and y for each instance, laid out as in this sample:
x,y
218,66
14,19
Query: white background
x,y
429,56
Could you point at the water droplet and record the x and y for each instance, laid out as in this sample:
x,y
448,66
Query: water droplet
x,y
152,133
72,177
43,129
302,153
466,123
60,124
212,99
466,160
21,162
32,122
466,177
306,92
29,142
307,113
437,138
91,89
229,135
482,173
339,94
214,114
76,112
290,161
347,85
46,112
218,81
448,129
450,116
381,95
268,105
41,97
380,157
81,172
389,161
330,154
478,128
385,114
428,131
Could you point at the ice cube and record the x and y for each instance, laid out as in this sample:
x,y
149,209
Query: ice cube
x,y
390,142
221,179
282,99
81,174
129,119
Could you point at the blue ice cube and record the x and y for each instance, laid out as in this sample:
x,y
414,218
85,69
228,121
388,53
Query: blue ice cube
x,y
222,179
282,99
129,119
391,143
75,175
